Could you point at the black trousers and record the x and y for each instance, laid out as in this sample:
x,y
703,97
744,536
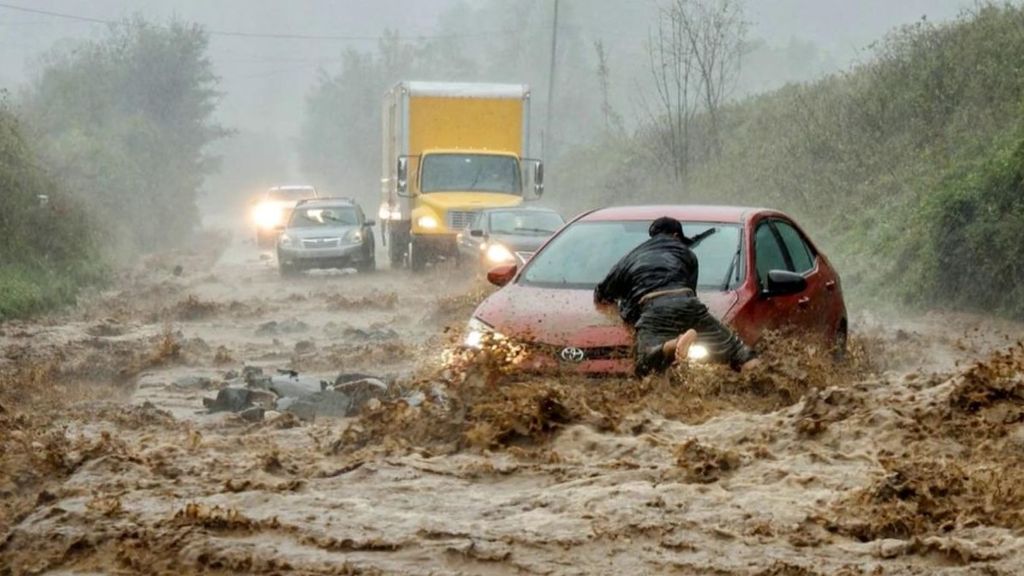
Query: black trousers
x,y
666,317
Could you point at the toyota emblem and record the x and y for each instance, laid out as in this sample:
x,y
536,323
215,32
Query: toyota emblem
x,y
574,355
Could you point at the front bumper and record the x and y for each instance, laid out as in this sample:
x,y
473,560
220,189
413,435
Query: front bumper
x,y
315,256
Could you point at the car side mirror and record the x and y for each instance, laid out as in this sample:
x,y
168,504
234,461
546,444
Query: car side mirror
x,y
784,283
502,275
370,223
476,233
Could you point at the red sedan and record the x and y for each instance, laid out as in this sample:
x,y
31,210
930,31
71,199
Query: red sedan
x,y
758,271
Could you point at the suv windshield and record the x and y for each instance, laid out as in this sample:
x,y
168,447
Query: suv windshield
x,y
582,255
324,216
525,222
291,194
470,172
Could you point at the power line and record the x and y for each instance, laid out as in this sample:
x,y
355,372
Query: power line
x,y
264,35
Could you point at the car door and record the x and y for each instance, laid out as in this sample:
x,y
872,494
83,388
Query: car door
x,y
803,260
781,312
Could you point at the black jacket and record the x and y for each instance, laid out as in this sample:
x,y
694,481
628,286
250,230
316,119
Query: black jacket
x,y
661,263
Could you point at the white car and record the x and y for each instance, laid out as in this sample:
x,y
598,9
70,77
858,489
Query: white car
x,y
273,210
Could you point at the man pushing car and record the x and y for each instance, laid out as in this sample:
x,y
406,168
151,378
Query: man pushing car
x,y
655,288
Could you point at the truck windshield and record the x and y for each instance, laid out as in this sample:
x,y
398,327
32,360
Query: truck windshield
x,y
470,173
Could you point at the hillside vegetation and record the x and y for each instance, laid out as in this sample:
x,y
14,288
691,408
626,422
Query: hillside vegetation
x,y
907,168
48,250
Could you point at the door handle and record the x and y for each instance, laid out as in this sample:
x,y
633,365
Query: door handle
x,y
830,285
803,302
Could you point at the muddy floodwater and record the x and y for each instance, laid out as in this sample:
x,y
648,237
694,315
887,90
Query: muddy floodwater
x,y
906,459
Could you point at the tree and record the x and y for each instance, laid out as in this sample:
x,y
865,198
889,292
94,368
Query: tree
x,y
125,122
694,57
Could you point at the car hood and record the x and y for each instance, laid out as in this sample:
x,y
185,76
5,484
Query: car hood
x,y
320,232
568,317
518,242
468,200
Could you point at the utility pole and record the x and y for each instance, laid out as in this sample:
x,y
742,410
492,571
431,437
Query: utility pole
x,y
545,151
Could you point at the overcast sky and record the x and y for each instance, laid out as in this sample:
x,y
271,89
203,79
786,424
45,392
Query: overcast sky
x,y
265,80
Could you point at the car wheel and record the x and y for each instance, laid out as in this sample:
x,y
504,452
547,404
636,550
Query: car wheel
x,y
369,264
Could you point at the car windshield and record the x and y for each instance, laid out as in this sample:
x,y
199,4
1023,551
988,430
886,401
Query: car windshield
x,y
324,216
470,172
582,255
525,222
291,194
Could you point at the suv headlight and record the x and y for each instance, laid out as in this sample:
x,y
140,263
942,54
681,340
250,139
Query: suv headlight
x,y
285,240
476,331
499,254
354,236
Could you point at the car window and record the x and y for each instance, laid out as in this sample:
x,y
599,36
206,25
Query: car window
x,y
767,252
799,253
476,222
583,254
324,216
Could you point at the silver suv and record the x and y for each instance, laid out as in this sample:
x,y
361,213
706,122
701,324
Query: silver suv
x,y
326,233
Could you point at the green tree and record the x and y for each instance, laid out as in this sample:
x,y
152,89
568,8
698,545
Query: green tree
x,y
125,122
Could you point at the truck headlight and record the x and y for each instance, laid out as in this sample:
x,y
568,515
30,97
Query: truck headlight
x,y
697,353
499,254
267,216
476,331
428,222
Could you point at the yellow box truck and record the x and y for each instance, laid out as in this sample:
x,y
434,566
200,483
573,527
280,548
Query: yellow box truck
x,y
450,150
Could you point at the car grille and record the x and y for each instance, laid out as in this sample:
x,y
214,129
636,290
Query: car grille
x,y
321,242
459,219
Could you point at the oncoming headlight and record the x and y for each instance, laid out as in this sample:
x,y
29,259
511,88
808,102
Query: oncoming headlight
x,y
476,331
697,353
499,254
267,216
426,222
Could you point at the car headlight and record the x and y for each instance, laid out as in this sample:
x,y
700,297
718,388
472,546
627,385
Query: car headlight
x,y
354,236
426,222
267,216
285,240
476,331
499,254
697,353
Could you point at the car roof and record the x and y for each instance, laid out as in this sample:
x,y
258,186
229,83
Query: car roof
x,y
294,187
520,209
338,201
683,212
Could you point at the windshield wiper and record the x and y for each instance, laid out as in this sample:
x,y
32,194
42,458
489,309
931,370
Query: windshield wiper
x,y
732,268
696,240
539,230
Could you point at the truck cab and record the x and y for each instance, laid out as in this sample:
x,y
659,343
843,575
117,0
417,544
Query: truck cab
x,y
450,151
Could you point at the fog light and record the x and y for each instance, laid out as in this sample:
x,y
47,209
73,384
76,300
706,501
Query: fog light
x,y
697,353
